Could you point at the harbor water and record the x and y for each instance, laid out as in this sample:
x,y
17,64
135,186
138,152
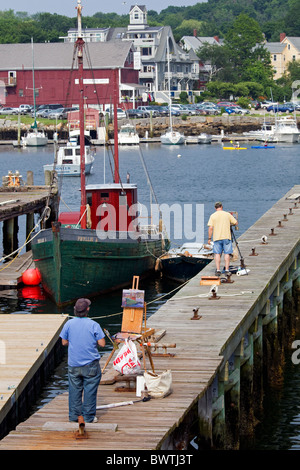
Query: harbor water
x,y
247,181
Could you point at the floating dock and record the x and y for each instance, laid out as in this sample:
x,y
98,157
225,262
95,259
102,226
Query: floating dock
x,y
28,348
228,344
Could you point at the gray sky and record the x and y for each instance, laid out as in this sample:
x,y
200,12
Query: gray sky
x,y
90,7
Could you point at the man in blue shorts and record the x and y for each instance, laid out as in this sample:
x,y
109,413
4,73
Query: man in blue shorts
x,y
219,226
83,336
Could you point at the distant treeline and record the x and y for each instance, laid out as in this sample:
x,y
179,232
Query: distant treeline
x,y
214,17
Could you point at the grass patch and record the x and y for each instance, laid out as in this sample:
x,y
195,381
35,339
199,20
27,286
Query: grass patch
x,y
28,120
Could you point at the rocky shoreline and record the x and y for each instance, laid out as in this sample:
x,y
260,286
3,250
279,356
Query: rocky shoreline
x,y
192,125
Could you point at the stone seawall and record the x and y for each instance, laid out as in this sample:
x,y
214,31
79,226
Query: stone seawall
x,y
192,125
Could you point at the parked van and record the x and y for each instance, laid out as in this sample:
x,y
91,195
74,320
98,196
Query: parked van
x,y
24,108
49,106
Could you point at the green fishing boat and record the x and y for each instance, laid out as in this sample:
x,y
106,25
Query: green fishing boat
x,y
102,246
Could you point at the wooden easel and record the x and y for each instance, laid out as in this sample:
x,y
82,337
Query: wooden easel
x,y
134,327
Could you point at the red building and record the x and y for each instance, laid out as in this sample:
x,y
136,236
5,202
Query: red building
x,y
55,74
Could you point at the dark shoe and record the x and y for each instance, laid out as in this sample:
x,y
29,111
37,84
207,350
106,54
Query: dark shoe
x,y
218,273
228,274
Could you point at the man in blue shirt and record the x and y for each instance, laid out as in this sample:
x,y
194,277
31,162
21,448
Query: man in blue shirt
x,y
82,335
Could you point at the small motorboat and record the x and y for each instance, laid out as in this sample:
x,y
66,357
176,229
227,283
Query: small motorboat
x,y
204,139
128,135
199,139
183,263
68,157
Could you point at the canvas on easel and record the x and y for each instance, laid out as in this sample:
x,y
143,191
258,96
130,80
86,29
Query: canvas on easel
x,y
133,308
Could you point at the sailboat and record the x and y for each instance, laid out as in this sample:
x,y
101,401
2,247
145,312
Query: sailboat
x,y
101,246
34,137
171,137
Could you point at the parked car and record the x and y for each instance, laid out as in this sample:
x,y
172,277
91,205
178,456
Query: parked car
x,y
136,113
183,109
280,108
49,106
295,106
161,110
223,104
9,111
239,110
60,113
120,113
174,112
208,109
43,113
55,113
148,110
265,104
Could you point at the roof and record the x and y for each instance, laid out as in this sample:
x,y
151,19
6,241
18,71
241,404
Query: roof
x,y
141,7
294,40
193,42
275,47
53,56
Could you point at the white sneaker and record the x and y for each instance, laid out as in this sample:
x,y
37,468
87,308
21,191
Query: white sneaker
x,y
95,420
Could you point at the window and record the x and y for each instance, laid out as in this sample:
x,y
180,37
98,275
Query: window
x,y
21,92
274,57
146,51
89,198
104,197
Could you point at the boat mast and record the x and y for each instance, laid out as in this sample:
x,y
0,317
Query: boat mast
x,y
169,85
116,143
79,47
33,85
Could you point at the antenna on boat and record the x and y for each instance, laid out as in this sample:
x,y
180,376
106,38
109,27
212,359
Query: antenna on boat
x,y
79,48
33,85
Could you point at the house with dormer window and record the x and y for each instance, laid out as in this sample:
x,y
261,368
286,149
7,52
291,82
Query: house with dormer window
x,y
282,53
150,44
150,56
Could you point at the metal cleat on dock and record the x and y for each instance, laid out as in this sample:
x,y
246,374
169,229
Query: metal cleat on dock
x,y
214,291
196,316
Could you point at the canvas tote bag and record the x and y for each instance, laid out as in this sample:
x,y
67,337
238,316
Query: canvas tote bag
x,y
158,385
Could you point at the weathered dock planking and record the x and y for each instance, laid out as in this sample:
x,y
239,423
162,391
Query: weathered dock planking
x,y
16,201
11,273
214,369
26,345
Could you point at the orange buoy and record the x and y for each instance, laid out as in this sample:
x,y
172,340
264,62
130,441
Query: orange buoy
x,y
31,277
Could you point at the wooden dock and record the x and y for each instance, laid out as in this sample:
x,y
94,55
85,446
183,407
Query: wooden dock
x,y
218,355
16,201
26,344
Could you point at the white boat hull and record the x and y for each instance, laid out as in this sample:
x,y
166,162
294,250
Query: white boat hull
x,y
35,140
284,130
172,138
69,169
128,135
130,140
